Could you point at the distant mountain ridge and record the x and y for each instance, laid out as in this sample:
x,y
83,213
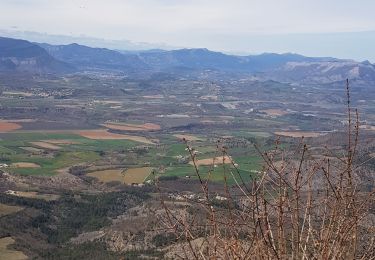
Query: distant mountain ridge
x,y
23,56
87,58
286,67
206,59
20,55
324,71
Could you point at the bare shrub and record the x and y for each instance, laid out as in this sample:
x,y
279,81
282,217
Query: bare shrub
x,y
298,207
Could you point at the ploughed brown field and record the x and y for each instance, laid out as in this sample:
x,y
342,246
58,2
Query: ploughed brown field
x,y
105,135
212,161
132,127
298,134
8,126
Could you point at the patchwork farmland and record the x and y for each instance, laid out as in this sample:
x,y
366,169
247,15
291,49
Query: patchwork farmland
x,y
92,156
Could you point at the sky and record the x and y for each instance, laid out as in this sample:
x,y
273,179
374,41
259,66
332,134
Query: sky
x,y
339,28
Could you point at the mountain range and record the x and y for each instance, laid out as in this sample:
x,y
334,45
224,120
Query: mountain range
x,y
86,58
20,55
23,56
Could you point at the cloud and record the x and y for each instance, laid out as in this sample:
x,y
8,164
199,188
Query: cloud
x,y
167,16
212,23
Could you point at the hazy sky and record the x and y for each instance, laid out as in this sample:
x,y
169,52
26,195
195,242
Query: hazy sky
x,y
311,27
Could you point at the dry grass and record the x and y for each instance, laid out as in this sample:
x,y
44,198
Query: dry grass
x,y
18,93
46,145
274,112
60,141
132,127
36,195
129,176
24,120
108,102
298,134
24,165
105,135
296,208
7,209
212,161
10,254
137,175
153,96
31,149
108,175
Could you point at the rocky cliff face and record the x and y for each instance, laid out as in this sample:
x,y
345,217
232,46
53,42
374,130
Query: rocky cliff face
x,y
19,55
324,71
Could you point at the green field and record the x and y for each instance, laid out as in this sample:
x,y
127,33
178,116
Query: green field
x,y
245,167
82,151
49,166
18,147
16,140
